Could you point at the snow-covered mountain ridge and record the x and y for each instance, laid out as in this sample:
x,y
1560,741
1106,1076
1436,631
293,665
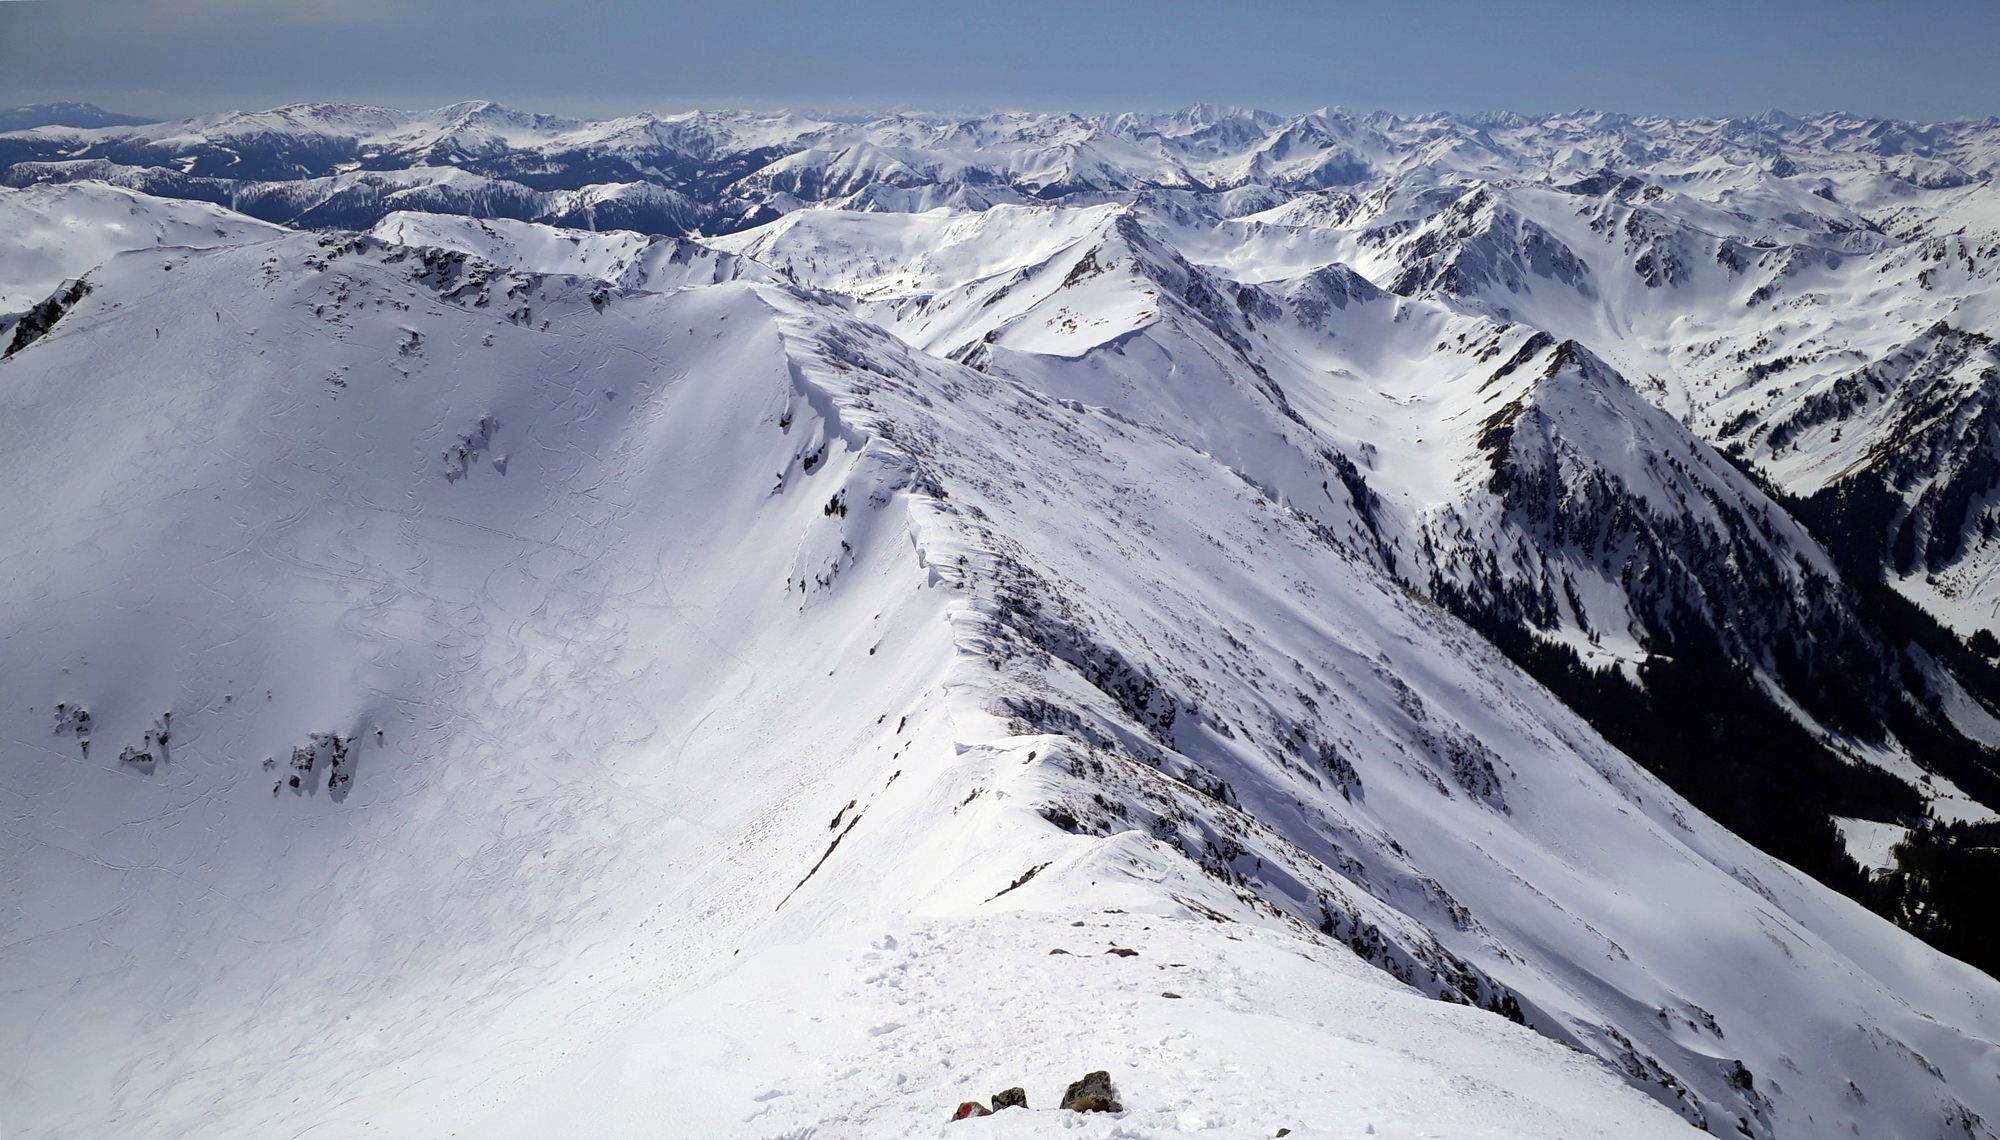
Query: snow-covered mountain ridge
x,y
509,670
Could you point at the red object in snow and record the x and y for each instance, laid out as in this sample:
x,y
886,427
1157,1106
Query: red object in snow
x,y
970,1109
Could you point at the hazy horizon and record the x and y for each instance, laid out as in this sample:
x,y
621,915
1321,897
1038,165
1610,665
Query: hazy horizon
x,y
867,113
1704,58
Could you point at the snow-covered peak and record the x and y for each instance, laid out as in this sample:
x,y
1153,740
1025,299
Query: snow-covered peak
x,y
60,232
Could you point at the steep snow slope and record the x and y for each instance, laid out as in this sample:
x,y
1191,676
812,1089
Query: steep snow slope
x,y
674,646
1840,349
1517,478
59,232
522,567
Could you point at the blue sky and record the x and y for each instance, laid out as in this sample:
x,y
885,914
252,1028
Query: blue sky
x,y
1914,59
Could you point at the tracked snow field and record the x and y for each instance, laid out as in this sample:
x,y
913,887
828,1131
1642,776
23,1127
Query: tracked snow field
x,y
1206,1030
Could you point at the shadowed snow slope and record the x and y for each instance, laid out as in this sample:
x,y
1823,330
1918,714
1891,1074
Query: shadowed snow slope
x,y
449,699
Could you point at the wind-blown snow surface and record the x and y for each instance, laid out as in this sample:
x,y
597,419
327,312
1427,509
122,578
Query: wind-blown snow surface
x,y
734,707
59,232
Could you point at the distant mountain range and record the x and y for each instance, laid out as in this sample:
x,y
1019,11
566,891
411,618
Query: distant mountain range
x,y
64,115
